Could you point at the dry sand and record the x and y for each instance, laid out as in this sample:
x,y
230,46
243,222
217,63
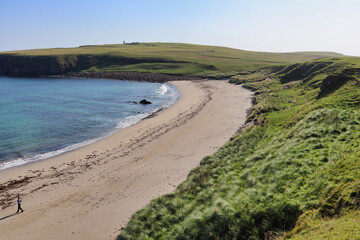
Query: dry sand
x,y
91,193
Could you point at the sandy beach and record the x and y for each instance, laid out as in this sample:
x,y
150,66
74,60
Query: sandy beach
x,y
91,193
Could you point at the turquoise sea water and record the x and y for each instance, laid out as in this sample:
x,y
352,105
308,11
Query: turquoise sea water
x,y
43,117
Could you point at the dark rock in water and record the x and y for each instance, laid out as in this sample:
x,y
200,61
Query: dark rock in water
x,y
144,101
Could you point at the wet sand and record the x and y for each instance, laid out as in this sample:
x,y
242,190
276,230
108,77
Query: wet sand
x,y
91,193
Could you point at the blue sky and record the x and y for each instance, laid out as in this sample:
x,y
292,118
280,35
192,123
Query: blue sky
x,y
258,25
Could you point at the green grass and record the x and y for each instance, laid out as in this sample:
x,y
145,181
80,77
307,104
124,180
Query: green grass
x,y
338,228
293,173
170,58
301,156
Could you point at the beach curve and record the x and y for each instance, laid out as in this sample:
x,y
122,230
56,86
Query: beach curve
x,y
93,191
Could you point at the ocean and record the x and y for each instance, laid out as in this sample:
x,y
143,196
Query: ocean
x,y
44,117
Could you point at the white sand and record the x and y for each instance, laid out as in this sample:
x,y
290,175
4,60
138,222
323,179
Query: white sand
x,y
91,193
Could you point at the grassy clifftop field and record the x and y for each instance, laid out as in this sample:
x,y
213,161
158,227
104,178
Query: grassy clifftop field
x,y
293,173
166,58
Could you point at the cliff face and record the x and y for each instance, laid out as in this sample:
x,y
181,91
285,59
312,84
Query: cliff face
x,y
36,65
77,66
28,65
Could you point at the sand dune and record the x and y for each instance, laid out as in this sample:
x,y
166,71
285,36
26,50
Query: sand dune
x,y
91,193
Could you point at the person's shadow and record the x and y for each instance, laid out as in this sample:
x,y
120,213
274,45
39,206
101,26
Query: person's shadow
x,y
8,216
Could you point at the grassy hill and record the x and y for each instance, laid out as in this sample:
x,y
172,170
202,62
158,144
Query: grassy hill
x,y
166,58
293,173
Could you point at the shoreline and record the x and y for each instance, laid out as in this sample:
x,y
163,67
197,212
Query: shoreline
x,y
73,147
91,192
115,75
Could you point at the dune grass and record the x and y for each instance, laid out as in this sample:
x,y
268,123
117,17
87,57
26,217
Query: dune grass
x,y
293,173
338,228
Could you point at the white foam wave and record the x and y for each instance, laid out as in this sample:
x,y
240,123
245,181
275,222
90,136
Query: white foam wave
x,y
172,93
131,120
43,156
162,90
122,123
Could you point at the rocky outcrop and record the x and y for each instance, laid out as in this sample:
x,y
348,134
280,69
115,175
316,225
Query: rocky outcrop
x,y
144,101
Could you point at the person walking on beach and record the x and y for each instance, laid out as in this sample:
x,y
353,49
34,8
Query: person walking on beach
x,y
19,205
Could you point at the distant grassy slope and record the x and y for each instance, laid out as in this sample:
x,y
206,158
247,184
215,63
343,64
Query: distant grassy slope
x,y
320,54
300,158
169,58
